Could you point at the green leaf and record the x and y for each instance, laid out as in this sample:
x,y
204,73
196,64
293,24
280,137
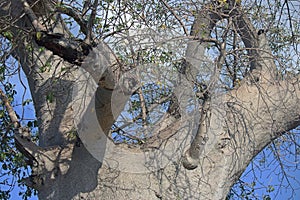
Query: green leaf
x,y
38,35
29,124
50,97
4,166
266,197
35,123
26,102
270,188
8,35
2,113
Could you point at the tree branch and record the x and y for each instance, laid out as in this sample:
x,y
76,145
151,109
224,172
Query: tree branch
x,y
71,50
202,27
44,162
32,17
192,155
22,135
76,16
261,60
143,106
176,16
89,35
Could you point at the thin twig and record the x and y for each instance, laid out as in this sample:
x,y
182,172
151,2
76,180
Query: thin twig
x,y
11,113
176,16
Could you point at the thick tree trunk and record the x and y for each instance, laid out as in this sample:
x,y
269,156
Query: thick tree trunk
x,y
135,174
241,123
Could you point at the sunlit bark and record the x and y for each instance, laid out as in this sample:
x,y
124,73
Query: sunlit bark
x,y
176,164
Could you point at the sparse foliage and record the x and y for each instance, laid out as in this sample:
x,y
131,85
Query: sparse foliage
x,y
149,99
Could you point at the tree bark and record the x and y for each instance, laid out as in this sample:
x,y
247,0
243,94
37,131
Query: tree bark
x,y
241,123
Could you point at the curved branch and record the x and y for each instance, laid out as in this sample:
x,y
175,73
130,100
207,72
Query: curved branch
x,y
261,60
76,16
202,27
176,16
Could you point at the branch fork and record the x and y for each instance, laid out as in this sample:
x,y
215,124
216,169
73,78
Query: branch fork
x,y
44,161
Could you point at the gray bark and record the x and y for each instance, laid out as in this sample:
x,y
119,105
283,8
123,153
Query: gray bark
x,y
241,123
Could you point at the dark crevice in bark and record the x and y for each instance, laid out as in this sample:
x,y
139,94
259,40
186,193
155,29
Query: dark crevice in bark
x,y
71,50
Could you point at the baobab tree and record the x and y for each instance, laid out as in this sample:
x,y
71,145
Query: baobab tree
x,y
147,99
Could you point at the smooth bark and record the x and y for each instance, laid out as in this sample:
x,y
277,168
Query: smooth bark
x,y
241,122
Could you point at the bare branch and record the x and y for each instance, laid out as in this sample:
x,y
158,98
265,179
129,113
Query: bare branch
x,y
290,17
86,6
89,35
192,155
44,162
248,34
176,16
33,18
261,61
143,106
22,135
75,15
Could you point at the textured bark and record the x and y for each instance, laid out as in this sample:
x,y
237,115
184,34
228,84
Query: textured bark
x,y
241,123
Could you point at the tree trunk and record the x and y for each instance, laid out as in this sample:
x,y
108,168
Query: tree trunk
x,y
241,123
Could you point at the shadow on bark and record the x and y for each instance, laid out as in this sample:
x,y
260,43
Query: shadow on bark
x,y
81,177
